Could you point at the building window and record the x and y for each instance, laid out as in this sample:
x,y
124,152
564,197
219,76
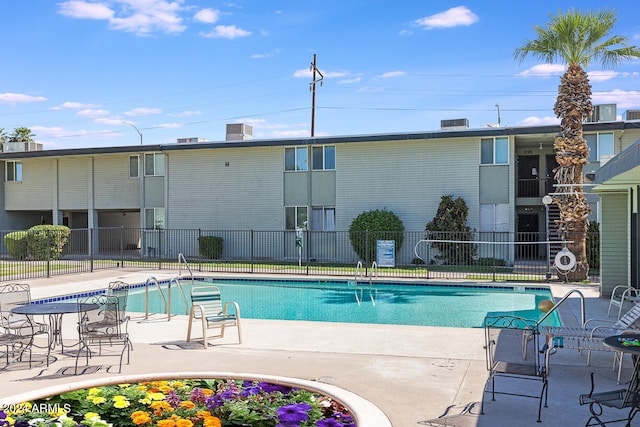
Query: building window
x,y
494,217
494,151
600,146
154,218
323,219
296,159
14,171
295,217
134,166
154,164
324,157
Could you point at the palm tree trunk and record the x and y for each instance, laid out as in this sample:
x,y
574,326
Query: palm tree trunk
x,y
573,105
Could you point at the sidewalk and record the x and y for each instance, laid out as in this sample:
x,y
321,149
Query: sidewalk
x,y
410,373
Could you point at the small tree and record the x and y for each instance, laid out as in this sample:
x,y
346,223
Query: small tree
x,y
371,226
450,223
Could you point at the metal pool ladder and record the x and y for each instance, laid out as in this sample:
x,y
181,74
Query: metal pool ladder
x,y
166,301
360,273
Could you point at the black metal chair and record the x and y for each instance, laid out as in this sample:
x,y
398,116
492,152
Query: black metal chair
x,y
11,296
622,398
510,356
18,341
101,327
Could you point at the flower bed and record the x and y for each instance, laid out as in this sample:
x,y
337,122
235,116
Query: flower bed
x,y
182,403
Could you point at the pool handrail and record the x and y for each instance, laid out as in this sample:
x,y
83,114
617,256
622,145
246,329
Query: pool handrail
x,y
176,280
358,272
563,299
146,296
186,264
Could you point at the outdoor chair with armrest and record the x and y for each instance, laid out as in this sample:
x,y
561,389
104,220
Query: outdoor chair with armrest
x,y
621,398
620,294
11,296
101,328
504,357
18,341
206,306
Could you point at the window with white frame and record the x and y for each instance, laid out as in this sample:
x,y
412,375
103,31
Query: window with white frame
x,y
323,218
13,171
324,157
494,217
134,166
494,151
295,217
600,145
154,218
296,159
154,164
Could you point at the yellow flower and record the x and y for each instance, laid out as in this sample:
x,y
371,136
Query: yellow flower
x,y
178,384
165,389
156,396
97,399
144,401
90,415
119,397
94,390
121,404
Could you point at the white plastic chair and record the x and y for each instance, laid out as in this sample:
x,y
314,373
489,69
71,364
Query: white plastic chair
x,y
620,294
206,306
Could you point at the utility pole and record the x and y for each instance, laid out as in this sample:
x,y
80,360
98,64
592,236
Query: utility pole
x,y
498,107
315,70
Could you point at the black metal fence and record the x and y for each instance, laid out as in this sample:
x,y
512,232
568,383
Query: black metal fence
x,y
410,254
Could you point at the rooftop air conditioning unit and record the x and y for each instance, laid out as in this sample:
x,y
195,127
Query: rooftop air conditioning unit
x,y
239,132
632,115
603,113
454,124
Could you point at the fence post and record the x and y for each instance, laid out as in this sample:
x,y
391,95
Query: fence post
x,y
199,236
48,253
90,231
493,254
251,250
122,245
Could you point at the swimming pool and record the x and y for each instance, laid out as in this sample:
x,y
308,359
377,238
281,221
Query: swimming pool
x,y
380,303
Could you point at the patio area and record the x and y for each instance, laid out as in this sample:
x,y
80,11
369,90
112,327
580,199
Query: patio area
x,y
410,373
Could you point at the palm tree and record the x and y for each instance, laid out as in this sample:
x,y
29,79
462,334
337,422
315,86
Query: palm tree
x,y
21,134
576,39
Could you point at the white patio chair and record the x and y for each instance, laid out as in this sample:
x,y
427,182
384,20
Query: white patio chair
x,y
622,294
206,306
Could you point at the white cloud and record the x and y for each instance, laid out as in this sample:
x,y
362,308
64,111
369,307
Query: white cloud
x,y
405,32
226,32
543,70
370,89
207,16
141,17
392,74
73,105
601,76
142,111
113,121
187,114
622,98
454,17
169,125
19,98
539,121
266,55
89,112
290,133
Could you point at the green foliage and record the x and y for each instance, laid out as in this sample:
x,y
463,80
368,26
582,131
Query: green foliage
x,y
210,247
47,241
450,223
16,244
370,226
593,245
41,242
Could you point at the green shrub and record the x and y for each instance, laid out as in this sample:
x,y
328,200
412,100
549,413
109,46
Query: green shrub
x,y
47,241
16,243
210,247
371,226
450,223
491,262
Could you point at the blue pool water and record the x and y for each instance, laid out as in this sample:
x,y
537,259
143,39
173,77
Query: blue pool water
x,y
382,303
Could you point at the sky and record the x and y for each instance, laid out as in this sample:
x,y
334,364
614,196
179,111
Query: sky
x,y
99,73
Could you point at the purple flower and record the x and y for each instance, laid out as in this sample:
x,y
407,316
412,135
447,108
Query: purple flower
x,y
173,399
219,399
3,419
329,422
272,388
197,395
294,414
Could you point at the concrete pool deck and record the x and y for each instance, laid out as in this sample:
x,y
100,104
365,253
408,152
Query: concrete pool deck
x,y
411,373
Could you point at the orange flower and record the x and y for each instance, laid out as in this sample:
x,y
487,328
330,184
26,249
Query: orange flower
x,y
166,423
212,422
184,423
203,414
165,389
207,392
161,406
187,404
140,417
